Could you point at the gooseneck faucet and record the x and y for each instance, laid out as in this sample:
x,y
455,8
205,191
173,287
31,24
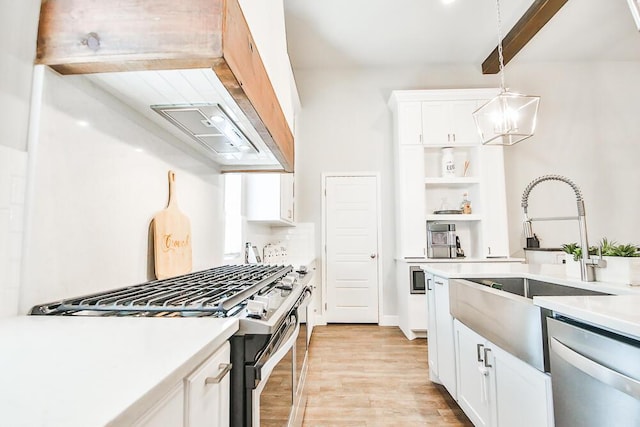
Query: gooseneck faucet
x,y
587,266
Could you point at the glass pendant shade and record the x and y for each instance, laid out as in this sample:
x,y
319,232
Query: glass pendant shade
x,y
507,119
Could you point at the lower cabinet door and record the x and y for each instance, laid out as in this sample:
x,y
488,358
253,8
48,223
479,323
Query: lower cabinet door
x,y
474,378
496,388
523,393
207,391
444,327
432,333
168,412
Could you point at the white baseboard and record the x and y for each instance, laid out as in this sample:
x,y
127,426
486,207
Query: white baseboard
x,y
320,321
384,321
389,321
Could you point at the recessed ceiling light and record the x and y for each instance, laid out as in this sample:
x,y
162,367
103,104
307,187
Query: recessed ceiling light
x,y
82,123
447,1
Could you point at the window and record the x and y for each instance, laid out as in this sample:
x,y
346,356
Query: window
x,y
232,215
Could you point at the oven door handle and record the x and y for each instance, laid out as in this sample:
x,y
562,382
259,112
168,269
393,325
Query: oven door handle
x,y
275,358
617,380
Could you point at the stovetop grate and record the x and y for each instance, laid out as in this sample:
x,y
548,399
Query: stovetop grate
x,y
219,292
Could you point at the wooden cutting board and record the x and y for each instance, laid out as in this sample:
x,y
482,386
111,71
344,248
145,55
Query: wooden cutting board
x,y
171,238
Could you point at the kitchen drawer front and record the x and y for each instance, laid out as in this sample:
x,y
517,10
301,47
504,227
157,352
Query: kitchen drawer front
x,y
207,391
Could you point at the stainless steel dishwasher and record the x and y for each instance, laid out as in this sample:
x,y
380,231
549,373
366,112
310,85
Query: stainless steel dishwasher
x,y
595,376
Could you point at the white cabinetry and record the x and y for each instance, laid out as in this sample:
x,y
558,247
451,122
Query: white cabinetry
x,y
474,388
168,412
412,307
409,119
270,198
207,391
440,338
426,121
495,236
432,335
412,236
201,401
449,122
496,388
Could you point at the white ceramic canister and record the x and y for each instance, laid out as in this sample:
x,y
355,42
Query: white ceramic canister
x,y
448,162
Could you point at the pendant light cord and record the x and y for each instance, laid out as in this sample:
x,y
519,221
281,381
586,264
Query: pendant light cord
x,y
500,57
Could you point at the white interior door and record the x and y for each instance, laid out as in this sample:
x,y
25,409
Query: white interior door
x,y
351,218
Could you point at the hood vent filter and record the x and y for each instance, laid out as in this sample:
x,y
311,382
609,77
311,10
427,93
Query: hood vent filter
x,y
208,125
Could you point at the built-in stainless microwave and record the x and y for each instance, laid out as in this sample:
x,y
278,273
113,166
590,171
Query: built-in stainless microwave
x,y
416,280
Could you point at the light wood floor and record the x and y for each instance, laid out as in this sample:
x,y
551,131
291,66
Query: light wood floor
x,y
366,375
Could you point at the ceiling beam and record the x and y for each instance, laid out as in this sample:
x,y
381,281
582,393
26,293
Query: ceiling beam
x,y
540,12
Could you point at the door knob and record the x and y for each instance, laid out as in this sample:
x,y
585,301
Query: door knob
x,y
373,256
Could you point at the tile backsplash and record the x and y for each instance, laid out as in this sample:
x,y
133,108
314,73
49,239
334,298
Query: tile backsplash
x,y
100,176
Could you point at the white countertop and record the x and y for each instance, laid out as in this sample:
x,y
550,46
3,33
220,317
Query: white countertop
x,y
424,260
86,371
618,313
544,272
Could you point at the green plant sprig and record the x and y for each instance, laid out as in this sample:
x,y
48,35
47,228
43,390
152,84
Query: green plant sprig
x,y
609,248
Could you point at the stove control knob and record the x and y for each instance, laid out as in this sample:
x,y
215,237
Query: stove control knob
x,y
264,300
256,309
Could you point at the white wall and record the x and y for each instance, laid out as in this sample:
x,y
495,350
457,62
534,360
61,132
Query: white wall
x,y
18,31
96,189
345,126
586,131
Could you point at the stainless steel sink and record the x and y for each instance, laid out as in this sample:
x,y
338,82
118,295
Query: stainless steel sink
x,y
530,288
502,311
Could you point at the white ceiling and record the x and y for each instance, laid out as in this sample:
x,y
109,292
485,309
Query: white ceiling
x,y
406,33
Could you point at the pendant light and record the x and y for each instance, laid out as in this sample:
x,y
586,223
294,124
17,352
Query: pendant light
x,y
509,117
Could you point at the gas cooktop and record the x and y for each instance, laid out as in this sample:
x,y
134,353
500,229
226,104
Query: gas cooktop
x,y
220,292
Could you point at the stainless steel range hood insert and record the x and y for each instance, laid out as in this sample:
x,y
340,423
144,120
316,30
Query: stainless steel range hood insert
x,y
209,125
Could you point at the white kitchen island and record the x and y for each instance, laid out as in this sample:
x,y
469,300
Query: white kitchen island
x,y
98,371
497,383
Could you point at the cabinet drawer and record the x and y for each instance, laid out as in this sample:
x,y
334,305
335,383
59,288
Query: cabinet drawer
x,y
207,391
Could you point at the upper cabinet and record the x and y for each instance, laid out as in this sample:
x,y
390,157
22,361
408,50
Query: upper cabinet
x,y
438,117
425,123
449,122
270,198
85,36
409,123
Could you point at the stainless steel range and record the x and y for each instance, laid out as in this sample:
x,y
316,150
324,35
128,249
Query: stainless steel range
x,y
268,300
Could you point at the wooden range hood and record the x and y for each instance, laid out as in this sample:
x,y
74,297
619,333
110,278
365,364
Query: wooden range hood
x,y
95,36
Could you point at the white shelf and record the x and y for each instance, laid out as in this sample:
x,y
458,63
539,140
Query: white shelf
x,y
454,217
457,180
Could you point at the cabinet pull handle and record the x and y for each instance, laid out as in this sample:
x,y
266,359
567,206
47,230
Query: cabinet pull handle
x,y
429,288
226,367
454,137
486,359
439,283
448,137
478,350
